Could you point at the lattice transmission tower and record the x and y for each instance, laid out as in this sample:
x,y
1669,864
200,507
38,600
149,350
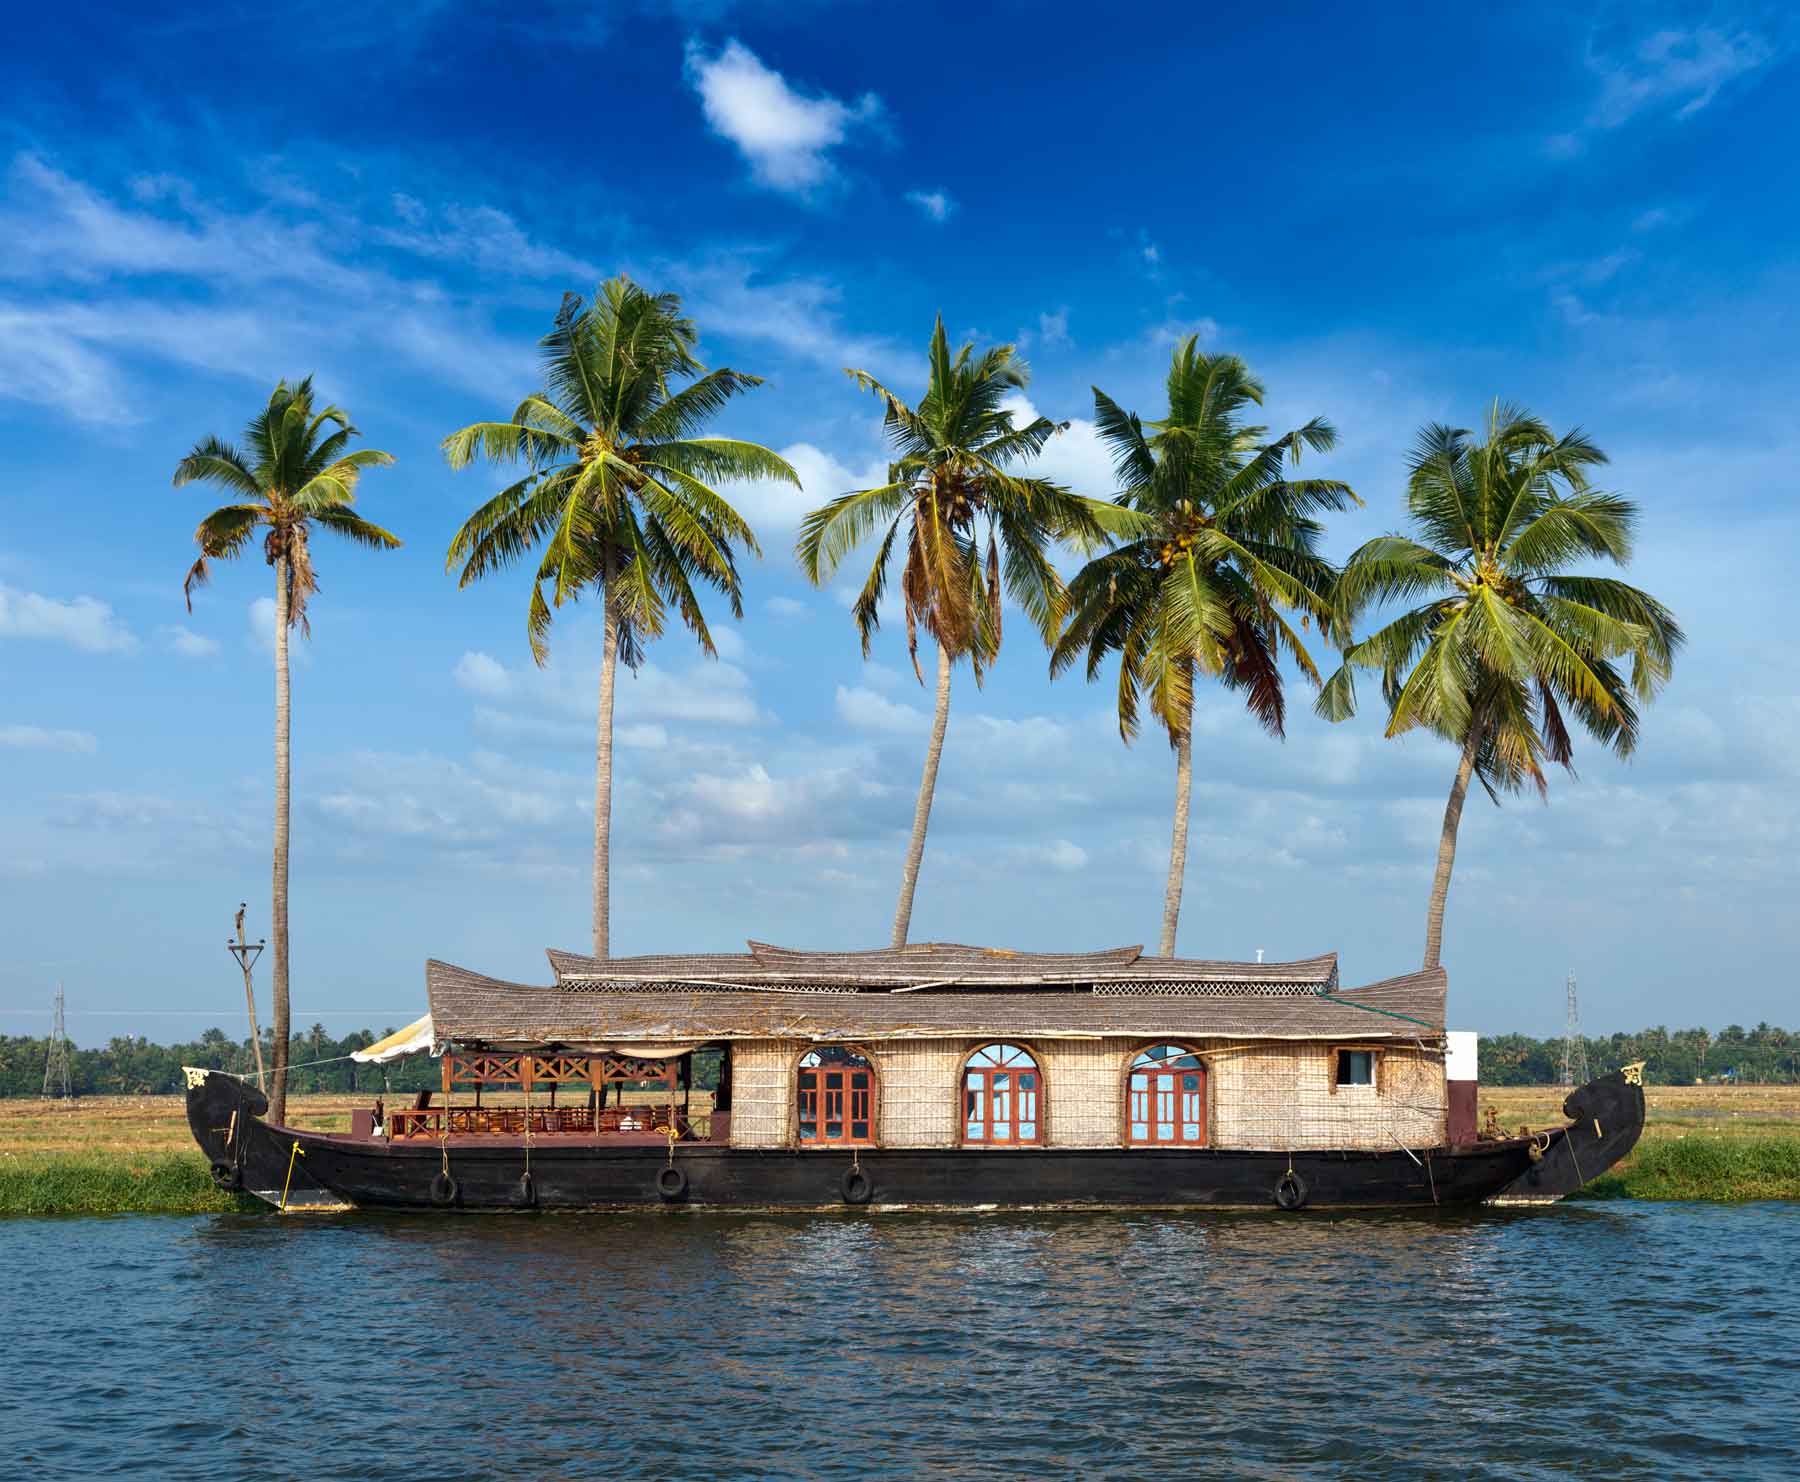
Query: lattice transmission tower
x,y
56,1058
1575,1066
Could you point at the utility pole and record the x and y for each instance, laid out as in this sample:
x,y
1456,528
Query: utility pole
x,y
56,1059
1574,1066
246,954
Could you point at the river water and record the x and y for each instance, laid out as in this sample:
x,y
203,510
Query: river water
x,y
1604,1340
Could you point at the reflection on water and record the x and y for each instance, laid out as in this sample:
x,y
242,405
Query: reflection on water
x,y
1625,1340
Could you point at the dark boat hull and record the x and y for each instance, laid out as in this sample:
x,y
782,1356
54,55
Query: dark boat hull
x,y
1606,1117
485,1174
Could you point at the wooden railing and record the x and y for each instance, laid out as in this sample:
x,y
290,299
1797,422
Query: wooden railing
x,y
546,1121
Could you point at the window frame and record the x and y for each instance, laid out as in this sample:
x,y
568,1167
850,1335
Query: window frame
x,y
1042,1138
1126,1140
1372,1086
794,1090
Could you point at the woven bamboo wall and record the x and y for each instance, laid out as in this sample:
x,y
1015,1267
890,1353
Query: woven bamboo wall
x,y
1280,1097
918,1088
1285,1097
761,1092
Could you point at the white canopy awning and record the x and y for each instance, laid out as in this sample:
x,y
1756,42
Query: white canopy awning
x,y
408,1041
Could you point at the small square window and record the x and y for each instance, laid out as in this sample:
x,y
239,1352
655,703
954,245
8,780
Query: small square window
x,y
1356,1067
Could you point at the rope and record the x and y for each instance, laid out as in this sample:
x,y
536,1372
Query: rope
x,y
296,1152
1369,1008
444,1131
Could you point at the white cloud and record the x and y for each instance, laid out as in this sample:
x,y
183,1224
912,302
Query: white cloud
x,y
786,136
85,623
1684,70
1061,854
187,643
711,692
1668,73
485,238
775,509
1053,329
787,609
729,295
936,204
57,226
1075,457
867,711
1170,332
482,674
40,738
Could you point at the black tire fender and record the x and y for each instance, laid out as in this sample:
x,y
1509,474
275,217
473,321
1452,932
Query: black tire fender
x,y
228,1178
443,1190
671,1183
525,1191
1290,1191
856,1186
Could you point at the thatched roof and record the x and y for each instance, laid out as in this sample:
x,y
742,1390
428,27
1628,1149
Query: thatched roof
x,y
939,964
925,991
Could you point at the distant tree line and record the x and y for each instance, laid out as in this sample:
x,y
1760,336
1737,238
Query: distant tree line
x,y
1679,1057
128,1066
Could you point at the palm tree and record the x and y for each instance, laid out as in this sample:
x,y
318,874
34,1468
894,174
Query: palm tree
x,y
617,494
952,471
1227,541
296,471
1506,639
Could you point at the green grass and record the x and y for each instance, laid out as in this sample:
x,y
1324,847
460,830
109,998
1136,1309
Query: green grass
x,y
131,1183
1717,1169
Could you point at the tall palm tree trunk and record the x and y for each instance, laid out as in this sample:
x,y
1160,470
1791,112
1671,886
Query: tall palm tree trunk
x,y
279,902
1178,843
915,851
1446,860
603,772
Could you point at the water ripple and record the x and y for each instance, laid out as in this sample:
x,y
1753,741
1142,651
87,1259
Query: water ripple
x,y
1627,1340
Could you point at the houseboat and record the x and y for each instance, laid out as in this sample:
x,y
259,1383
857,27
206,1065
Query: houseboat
x,y
929,1076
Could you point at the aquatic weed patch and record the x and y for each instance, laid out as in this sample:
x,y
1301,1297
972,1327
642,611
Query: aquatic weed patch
x,y
114,1183
1718,1169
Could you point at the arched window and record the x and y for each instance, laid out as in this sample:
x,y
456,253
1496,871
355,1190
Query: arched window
x,y
836,1097
1003,1097
1165,1098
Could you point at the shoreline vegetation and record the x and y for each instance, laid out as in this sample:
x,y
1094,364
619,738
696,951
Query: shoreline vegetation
x,y
134,1155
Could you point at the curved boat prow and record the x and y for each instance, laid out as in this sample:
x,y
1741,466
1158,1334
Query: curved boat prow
x,y
1606,1120
220,1109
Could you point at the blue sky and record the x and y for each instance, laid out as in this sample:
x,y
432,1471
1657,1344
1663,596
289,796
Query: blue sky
x,y
1395,217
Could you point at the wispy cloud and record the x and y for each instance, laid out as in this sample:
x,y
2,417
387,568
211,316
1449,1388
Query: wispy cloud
x,y
936,204
41,738
187,643
481,237
85,623
786,136
1668,73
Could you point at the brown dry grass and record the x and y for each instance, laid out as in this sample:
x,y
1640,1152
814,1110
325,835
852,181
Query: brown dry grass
x,y
1674,1111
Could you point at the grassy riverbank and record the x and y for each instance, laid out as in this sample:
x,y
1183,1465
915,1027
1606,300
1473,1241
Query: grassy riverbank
x,y
130,1154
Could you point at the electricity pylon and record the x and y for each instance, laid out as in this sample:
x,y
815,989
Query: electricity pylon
x,y
56,1059
1575,1066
